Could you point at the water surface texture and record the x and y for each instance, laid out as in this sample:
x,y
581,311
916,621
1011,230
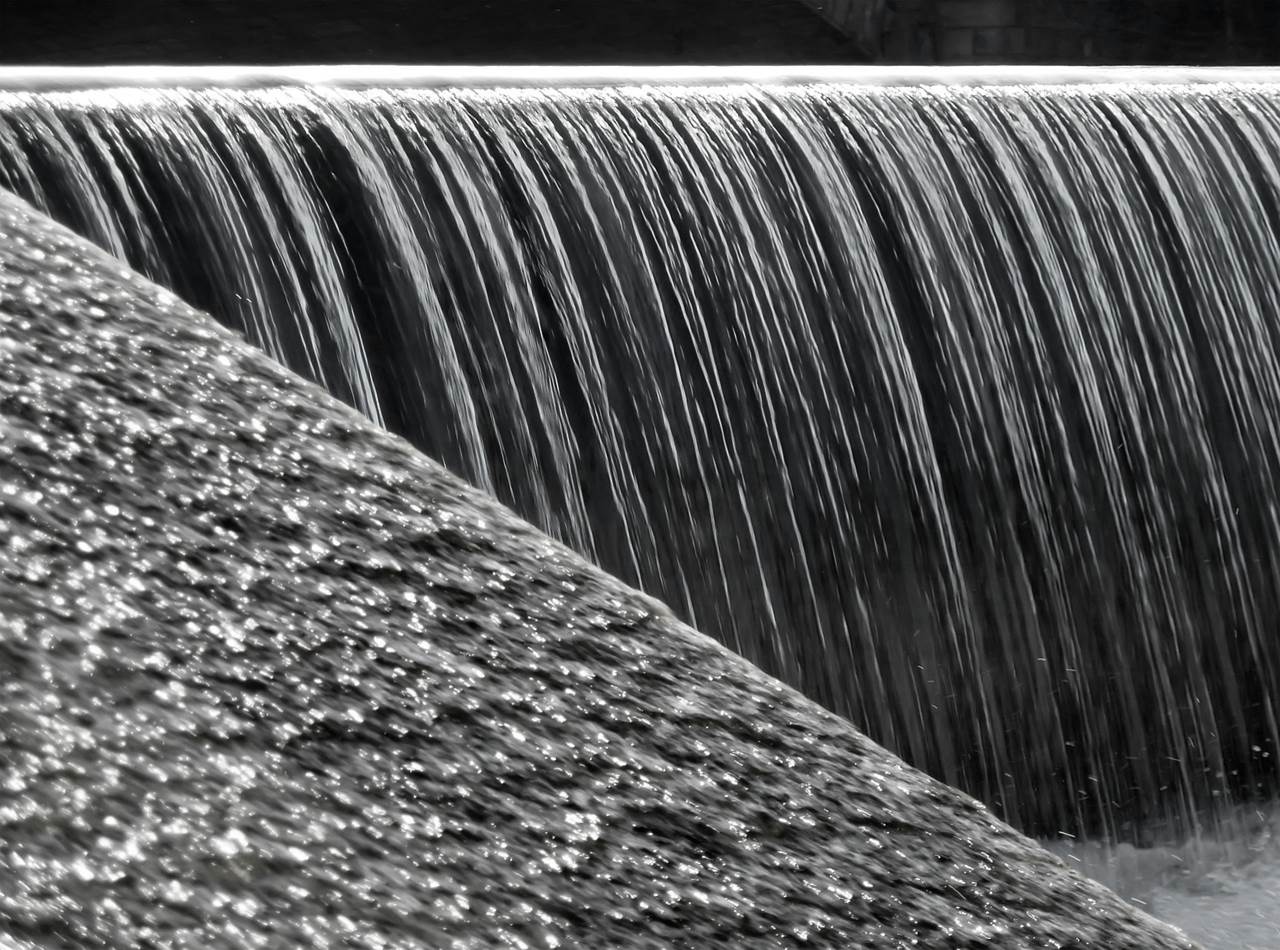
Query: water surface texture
x,y
953,405
274,679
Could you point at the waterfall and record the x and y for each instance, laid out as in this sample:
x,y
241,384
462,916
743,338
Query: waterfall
x,y
954,405
272,678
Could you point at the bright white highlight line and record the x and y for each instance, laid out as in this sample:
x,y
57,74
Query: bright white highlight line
x,y
361,76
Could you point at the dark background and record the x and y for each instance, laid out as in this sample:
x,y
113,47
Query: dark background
x,y
76,32
70,32
1202,32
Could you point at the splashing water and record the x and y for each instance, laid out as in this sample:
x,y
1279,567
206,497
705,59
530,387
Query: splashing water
x,y
275,679
955,406
1222,889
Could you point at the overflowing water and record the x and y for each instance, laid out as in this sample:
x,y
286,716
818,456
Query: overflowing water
x,y
274,679
956,406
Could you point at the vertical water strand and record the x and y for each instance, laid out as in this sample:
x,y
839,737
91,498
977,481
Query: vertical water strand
x,y
1162,531
1182,207
638,317
211,203
1256,128
449,202
1236,259
1019,275
16,172
788,363
662,310
219,203
267,157
118,171
546,149
844,248
1016,555
1082,197
47,141
811,427
1053,206
922,550
751,318
1211,536
515,330
1102,380
733,316
404,238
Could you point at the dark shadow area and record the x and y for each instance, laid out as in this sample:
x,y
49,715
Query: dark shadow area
x,y
69,32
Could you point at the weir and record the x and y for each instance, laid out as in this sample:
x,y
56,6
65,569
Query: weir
x,y
273,678
948,397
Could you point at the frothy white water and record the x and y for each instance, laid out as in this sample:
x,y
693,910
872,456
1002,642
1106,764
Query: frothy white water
x,y
561,77
1243,915
1222,889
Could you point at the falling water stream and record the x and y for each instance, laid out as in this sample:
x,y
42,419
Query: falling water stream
x,y
955,405
273,678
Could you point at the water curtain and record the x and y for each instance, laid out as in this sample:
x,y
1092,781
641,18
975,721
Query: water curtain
x,y
956,406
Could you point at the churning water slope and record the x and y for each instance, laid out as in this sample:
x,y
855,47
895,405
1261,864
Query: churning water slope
x,y
273,678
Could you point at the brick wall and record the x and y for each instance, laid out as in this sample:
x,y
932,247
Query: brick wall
x,y
1002,31
863,21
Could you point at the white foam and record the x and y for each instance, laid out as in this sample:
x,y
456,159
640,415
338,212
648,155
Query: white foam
x,y
1222,889
76,77
1235,914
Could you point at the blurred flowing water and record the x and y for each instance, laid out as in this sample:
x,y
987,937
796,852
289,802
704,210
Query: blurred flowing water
x,y
273,678
957,407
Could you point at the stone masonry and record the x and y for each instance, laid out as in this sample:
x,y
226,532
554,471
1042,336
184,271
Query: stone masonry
x,y
1000,31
